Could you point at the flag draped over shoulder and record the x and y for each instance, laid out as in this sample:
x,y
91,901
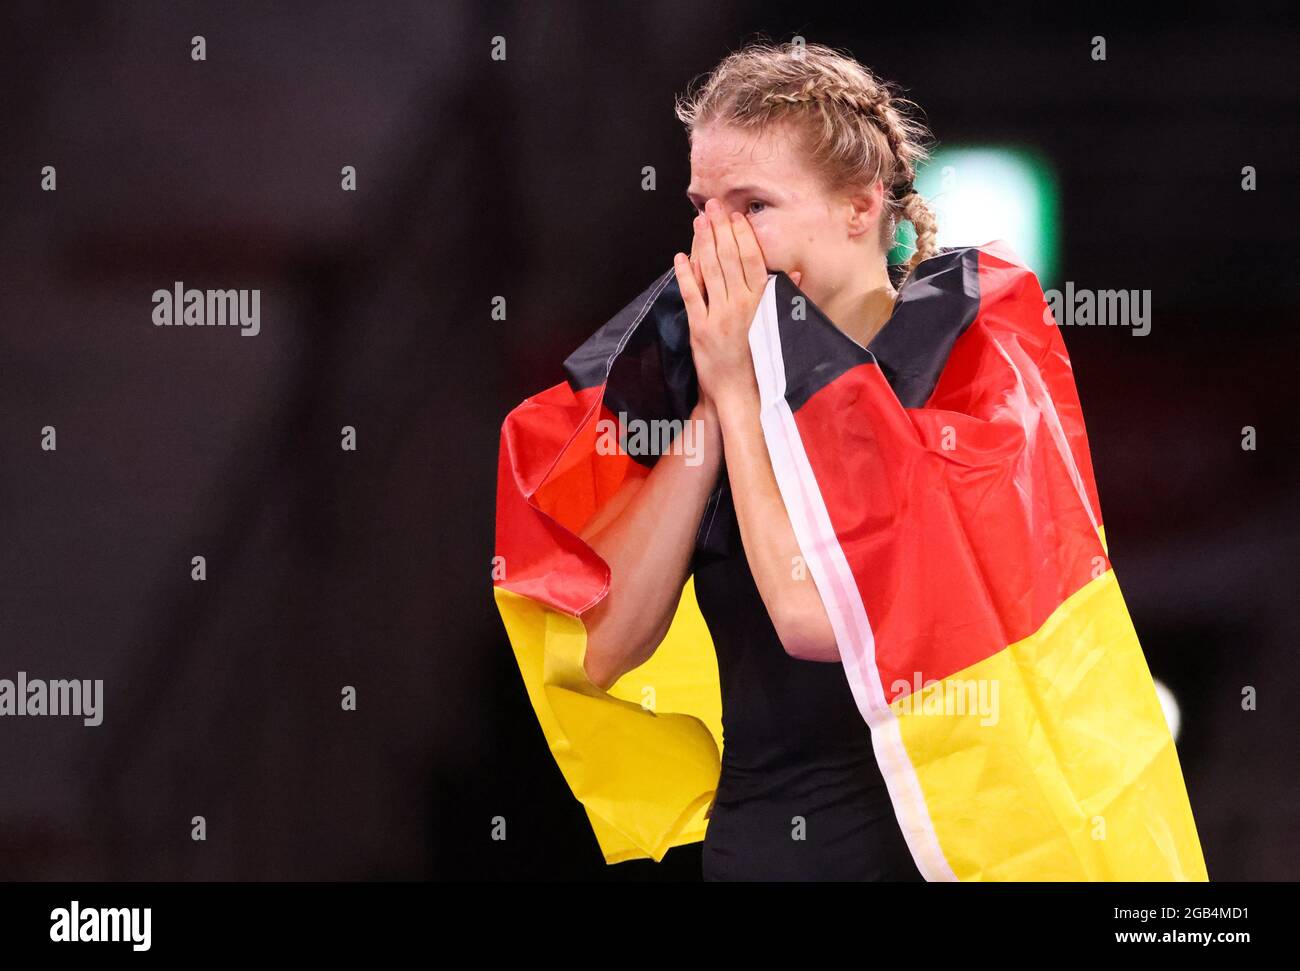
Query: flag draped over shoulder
x,y
941,490
643,758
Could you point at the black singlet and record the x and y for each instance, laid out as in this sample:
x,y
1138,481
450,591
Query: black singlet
x,y
794,743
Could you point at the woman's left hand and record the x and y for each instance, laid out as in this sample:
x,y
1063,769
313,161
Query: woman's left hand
x,y
735,276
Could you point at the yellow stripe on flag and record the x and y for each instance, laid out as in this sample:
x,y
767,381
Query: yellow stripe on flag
x,y
644,757
1067,771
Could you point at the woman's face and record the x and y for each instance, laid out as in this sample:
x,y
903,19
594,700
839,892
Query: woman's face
x,y
828,238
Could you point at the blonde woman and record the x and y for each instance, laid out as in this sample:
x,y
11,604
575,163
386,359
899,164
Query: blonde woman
x,y
801,160
888,521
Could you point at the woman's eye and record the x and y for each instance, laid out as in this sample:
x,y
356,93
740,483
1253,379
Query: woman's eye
x,y
697,211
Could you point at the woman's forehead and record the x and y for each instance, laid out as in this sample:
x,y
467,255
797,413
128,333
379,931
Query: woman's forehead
x,y
724,160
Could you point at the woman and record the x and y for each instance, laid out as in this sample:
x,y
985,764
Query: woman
x,y
898,481
801,160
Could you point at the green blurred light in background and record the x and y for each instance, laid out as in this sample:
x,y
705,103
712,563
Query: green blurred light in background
x,y
982,193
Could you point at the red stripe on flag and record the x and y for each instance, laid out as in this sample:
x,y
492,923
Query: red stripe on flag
x,y
551,480
967,522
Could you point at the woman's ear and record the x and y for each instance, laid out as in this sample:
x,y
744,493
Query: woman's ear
x,y
867,206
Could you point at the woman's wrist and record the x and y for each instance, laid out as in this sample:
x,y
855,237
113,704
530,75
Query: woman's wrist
x,y
705,410
736,399
707,430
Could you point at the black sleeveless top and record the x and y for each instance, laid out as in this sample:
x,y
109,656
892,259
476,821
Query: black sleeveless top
x,y
794,743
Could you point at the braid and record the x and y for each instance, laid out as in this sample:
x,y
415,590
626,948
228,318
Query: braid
x,y
874,105
918,212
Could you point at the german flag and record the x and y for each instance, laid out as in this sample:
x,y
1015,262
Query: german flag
x,y
941,489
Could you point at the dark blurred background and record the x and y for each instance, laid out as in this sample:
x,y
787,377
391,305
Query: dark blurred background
x,y
479,178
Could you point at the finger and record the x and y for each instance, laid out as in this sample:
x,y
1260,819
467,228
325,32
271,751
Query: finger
x,y
715,283
695,265
725,240
796,277
691,294
751,254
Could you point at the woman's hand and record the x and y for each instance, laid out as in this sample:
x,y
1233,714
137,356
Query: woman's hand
x,y
728,258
